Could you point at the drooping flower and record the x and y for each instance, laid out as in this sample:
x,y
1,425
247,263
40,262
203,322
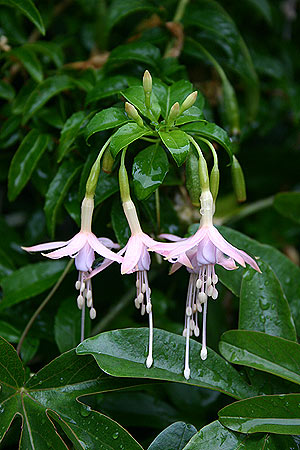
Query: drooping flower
x,y
82,247
199,253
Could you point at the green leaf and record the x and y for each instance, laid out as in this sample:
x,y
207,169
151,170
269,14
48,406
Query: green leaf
x,y
57,191
122,353
104,120
49,49
6,91
108,184
10,126
174,437
25,161
29,60
211,132
193,114
69,133
288,204
263,305
43,92
264,352
268,413
119,223
28,8
119,10
216,437
50,397
287,272
263,7
29,281
177,143
126,135
67,325
107,87
149,169
11,334
136,96
143,52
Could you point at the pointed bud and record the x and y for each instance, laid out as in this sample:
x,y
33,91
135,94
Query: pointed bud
x,y
133,114
108,161
147,82
214,181
192,178
238,180
173,114
189,101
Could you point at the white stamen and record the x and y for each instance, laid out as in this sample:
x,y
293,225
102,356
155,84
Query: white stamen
x,y
198,283
184,332
149,308
89,302
82,286
80,301
188,311
140,298
143,309
187,373
192,325
196,331
208,281
137,283
137,303
77,285
89,294
143,288
149,360
202,297
92,313
199,307
215,278
203,353
215,294
210,290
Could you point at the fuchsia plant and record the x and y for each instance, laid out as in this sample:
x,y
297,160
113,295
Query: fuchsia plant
x,y
198,253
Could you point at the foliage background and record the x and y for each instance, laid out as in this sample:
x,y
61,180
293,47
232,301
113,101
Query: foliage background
x,y
70,60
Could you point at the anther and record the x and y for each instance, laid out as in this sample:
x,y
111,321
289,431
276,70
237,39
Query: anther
x,y
198,283
143,288
148,308
82,286
208,281
187,373
202,297
203,353
194,308
192,325
196,331
140,298
80,301
143,309
215,294
199,307
137,303
77,285
137,283
215,279
89,302
89,294
184,332
210,290
92,313
188,311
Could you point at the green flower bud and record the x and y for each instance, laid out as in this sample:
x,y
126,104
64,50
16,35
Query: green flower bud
x,y
192,178
147,85
189,101
173,114
238,180
108,161
214,181
133,114
92,181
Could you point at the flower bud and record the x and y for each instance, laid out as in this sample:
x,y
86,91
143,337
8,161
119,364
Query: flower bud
x,y
238,180
192,178
147,82
173,114
108,161
214,181
133,114
189,101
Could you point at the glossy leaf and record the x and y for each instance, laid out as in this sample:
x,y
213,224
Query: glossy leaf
x,y
288,204
268,413
119,223
264,352
126,135
12,335
284,269
217,437
69,133
174,437
263,305
119,10
51,396
29,60
25,160
49,49
149,170
143,52
28,8
193,114
107,87
104,120
177,143
136,96
57,191
122,353
263,7
43,92
212,132
29,281
6,91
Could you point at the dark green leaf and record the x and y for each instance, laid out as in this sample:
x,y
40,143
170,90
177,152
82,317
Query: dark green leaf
x,y
264,352
177,143
126,135
263,305
288,204
28,8
263,7
212,132
6,91
49,49
43,92
6,264
137,51
29,60
69,133
57,191
29,281
104,120
287,272
119,223
107,185
11,369
10,125
106,88
175,437
149,170
25,160
12,335
269,413
193,114
119,10
122,353
136,96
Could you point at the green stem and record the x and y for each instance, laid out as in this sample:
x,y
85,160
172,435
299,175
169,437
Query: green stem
x,y
43,304
212,148
92,181
247,210
203,172
157,207
179,13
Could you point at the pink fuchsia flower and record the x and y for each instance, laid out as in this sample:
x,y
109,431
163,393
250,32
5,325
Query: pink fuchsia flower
x,y
82,247
199,253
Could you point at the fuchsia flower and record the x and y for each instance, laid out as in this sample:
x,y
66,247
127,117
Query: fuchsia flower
x,y
82,247
199,253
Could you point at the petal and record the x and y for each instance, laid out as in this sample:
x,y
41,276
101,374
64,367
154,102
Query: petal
x,y
85,258
102,250
227,263
250,260
224,246
133,253
209,252
170,237
73,247
46,246
108,242
175,267
104,265
183,259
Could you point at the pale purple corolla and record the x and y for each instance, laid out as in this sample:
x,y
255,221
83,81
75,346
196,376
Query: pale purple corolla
x,y
136,258
199,253
82,247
